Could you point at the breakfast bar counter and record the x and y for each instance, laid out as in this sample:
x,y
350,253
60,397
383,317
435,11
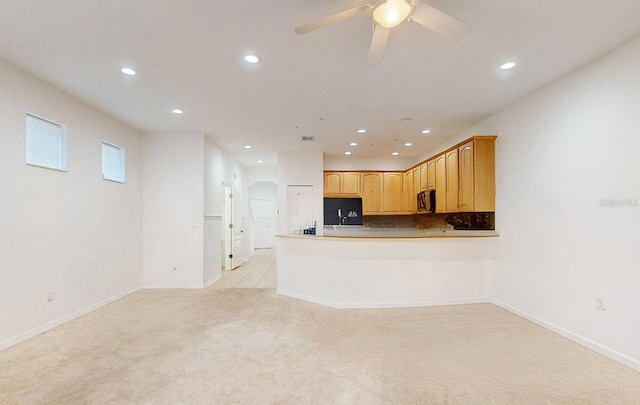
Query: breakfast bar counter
x,y
373,269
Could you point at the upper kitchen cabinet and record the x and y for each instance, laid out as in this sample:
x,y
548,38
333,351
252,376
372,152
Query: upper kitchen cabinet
x,y
441,183
431,174
463,177
392,192
416,185
371,193
423,176
408,195
477,173
452,187
342,184
385,193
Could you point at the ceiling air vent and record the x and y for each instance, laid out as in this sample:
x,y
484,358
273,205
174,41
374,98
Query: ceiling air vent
x,y
307,138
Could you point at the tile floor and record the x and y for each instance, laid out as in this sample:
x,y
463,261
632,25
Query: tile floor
x,y
258,272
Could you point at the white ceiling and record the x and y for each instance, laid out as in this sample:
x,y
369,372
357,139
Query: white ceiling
x,y
190,55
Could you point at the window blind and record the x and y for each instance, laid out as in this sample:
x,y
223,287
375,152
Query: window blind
x,y
112,162
45,144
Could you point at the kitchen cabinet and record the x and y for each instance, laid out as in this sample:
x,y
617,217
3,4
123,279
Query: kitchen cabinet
x,y
371,193
423,176
465,174
384,193
431,174
441,183
392,192
341,184
463,177
416,185
452,181
477,175
408,194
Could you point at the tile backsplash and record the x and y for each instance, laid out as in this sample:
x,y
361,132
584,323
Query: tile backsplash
x,y
465,220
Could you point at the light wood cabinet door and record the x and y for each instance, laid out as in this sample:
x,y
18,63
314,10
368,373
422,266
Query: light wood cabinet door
x,y
452,180
416,187
431,174
423,176
341,184
465,164
441,183
350,183
392,192
332,182
371,193
408,195
484,174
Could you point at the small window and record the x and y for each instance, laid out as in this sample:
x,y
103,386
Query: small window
x,y
112,162
46,144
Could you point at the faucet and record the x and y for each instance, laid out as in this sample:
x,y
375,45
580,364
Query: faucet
x,y
340,217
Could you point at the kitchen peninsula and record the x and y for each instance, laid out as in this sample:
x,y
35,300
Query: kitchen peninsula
x,y
408,258
376,272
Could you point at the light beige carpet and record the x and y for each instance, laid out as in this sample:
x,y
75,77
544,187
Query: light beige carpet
x,y
250,346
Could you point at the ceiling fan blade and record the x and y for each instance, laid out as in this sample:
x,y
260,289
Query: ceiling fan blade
x,y
439,22
343,15
378,44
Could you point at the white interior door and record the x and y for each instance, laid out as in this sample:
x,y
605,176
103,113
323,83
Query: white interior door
x,y
236,230
263,213
299,208
227,221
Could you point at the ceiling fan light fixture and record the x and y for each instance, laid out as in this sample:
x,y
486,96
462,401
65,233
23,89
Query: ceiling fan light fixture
x,y
391,13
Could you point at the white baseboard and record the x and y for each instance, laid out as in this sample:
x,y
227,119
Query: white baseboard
x,y
373,305
213,280
595,346
48,326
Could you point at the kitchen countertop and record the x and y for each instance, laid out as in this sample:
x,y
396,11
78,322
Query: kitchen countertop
x,y
355,231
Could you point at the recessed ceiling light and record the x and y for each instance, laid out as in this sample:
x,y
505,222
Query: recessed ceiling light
x,y
395,153
259,161
507,66
406,120
353,144
252,59
128,71
362,131
247,146
347,153
408,144
177,111
426,131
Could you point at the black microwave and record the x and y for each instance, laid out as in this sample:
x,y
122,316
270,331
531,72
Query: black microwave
x,y
427,201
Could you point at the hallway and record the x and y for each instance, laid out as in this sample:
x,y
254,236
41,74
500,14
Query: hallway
x,y
258,272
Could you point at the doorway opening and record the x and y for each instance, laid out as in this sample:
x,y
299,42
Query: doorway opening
x,y
231,228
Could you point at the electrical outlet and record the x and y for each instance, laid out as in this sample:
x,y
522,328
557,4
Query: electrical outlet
x,y
599,305
50,296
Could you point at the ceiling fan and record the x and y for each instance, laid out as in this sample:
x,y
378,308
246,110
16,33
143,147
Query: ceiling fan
x,y
390,14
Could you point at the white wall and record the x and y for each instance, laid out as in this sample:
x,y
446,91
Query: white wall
x,y
173,210
559,153
219,168
349,163
300,168
72,232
